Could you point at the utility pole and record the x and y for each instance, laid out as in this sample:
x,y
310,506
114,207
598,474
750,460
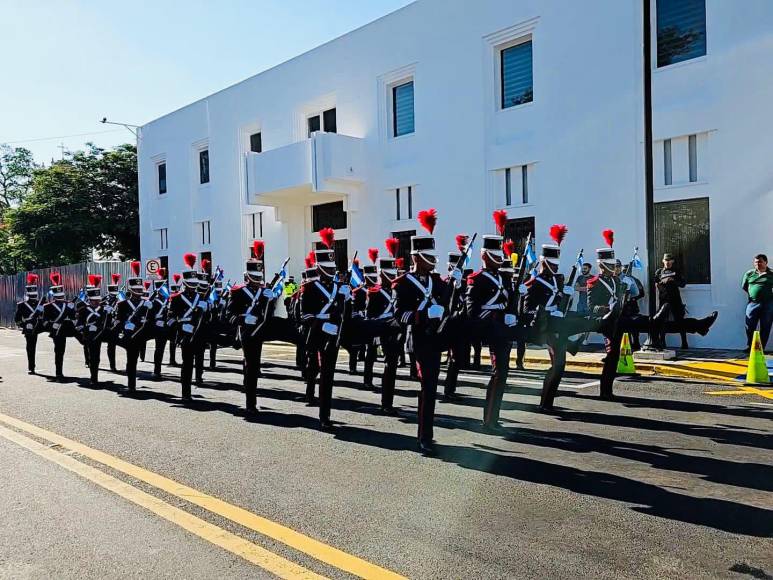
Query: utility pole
x,y
649,192
62,148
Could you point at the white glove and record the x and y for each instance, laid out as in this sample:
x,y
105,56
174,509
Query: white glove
x,y
510,320
129,326
523,289
92,328
324,316
330,328
108,309
557,314
147,304
345,291
568,291
435,311
202,305
456,275
187,328
56,326
70,305
250,319
29,326
268,293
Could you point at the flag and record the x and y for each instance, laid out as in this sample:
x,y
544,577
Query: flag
x,y
357,279
636,262
531,257
579,261
82,295
228,286
213,297
121,295
279,288
468,257
164,291
218,274
50,294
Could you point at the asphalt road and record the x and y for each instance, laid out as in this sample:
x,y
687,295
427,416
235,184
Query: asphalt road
x,y
667,482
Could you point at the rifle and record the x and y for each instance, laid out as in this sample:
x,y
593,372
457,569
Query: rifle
x,y
346,279
521,273
278,277
566,301
459,266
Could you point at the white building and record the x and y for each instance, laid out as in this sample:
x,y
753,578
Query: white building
x,y
534,106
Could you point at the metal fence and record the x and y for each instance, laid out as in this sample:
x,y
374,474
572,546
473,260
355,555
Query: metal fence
x,y
74,279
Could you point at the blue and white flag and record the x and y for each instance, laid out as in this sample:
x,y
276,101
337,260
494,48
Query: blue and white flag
x,y
228,286
531,256
636,262
468,257
218,274
164,291
579,261
357,279
50,294
213,296
121,295
82,296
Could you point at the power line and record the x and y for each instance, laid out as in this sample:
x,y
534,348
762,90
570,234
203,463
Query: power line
x,y
60,137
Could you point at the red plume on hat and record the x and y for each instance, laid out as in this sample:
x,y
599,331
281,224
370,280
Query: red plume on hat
x,y
97,280
392,245
135,266
373,254
56,278
609,237
428,219
327,236
558,233
312,258
92,279
509,248
161,273
205,264
307,261
461,241
146,284
115,279
258,249
32,279
176,277
190,260
500,219
399,263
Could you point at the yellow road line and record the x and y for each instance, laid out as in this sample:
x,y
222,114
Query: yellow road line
x,y
298,541
253,553
745,390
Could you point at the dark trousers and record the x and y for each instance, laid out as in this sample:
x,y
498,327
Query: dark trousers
x,y
111,354
669,312
495,389
251,350
143,347
60,346
609,370
428,369
32,343
322,360
86,354
199,363
95,355
759,314
189,351
371,354
172,348
520,352
158,355
213,355
132,354
391,350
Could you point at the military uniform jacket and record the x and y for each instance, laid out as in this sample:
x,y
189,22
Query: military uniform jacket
x,y
321,302
60,318
91,322
131,316
604,292
359,299
247,301
487,296
379,303
543,291
185,311
27,312
668,292
414,294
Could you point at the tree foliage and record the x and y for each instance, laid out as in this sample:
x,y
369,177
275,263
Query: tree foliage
x,y
87,201
16,168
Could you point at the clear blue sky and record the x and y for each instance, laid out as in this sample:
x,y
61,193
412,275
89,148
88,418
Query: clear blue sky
x,y
68,64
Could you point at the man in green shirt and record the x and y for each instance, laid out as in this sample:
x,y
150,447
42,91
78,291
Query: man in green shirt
x,y
758,284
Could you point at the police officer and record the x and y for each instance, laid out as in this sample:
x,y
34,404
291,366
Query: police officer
x,y
91,324
28,318
322,307
420,307
59,316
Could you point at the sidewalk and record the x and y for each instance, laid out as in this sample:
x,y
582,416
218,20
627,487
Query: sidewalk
x,y
704,364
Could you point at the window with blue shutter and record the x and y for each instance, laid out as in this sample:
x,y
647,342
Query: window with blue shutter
x,y
402,109
517,86
681,30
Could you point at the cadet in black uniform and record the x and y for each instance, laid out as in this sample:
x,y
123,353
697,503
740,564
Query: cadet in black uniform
x,y
158,316
186,311
419,306
28,319
109,301
322,307
459,351
130,323
59,316
91,324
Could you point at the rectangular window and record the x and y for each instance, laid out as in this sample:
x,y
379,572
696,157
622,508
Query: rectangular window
x,y
163,242
404,203
256,143
256,225
205,232
404,249
314,125
397,203
516,75
682,228
508,187
668,177
204,166
692,147
161,178
525,183
681,30
329,123
513,185
328,215
402,109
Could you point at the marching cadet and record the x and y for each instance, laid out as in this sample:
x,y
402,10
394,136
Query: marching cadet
x,y
130,323
370,273
322,308
171,327
205,327
59,317
109,301
160,300
91,324
352,340
27,317
308,276
187,310
419,297
459,351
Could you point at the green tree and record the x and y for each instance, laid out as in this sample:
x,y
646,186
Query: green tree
x,y
16,169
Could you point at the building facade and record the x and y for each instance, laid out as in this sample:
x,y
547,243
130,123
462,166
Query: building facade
x,y
534,106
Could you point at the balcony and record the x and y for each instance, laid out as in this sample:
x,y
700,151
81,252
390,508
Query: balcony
x,y
318,169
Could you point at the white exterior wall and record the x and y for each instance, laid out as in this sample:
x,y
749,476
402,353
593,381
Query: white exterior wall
x,y
582,136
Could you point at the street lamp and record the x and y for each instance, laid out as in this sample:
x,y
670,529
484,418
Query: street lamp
x,y
133,128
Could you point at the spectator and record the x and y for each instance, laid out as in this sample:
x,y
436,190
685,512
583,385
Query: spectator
x,y
581,286
668,281
758,285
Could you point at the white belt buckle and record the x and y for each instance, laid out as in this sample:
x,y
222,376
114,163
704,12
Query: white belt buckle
x,y
92,328
188,328
330,328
